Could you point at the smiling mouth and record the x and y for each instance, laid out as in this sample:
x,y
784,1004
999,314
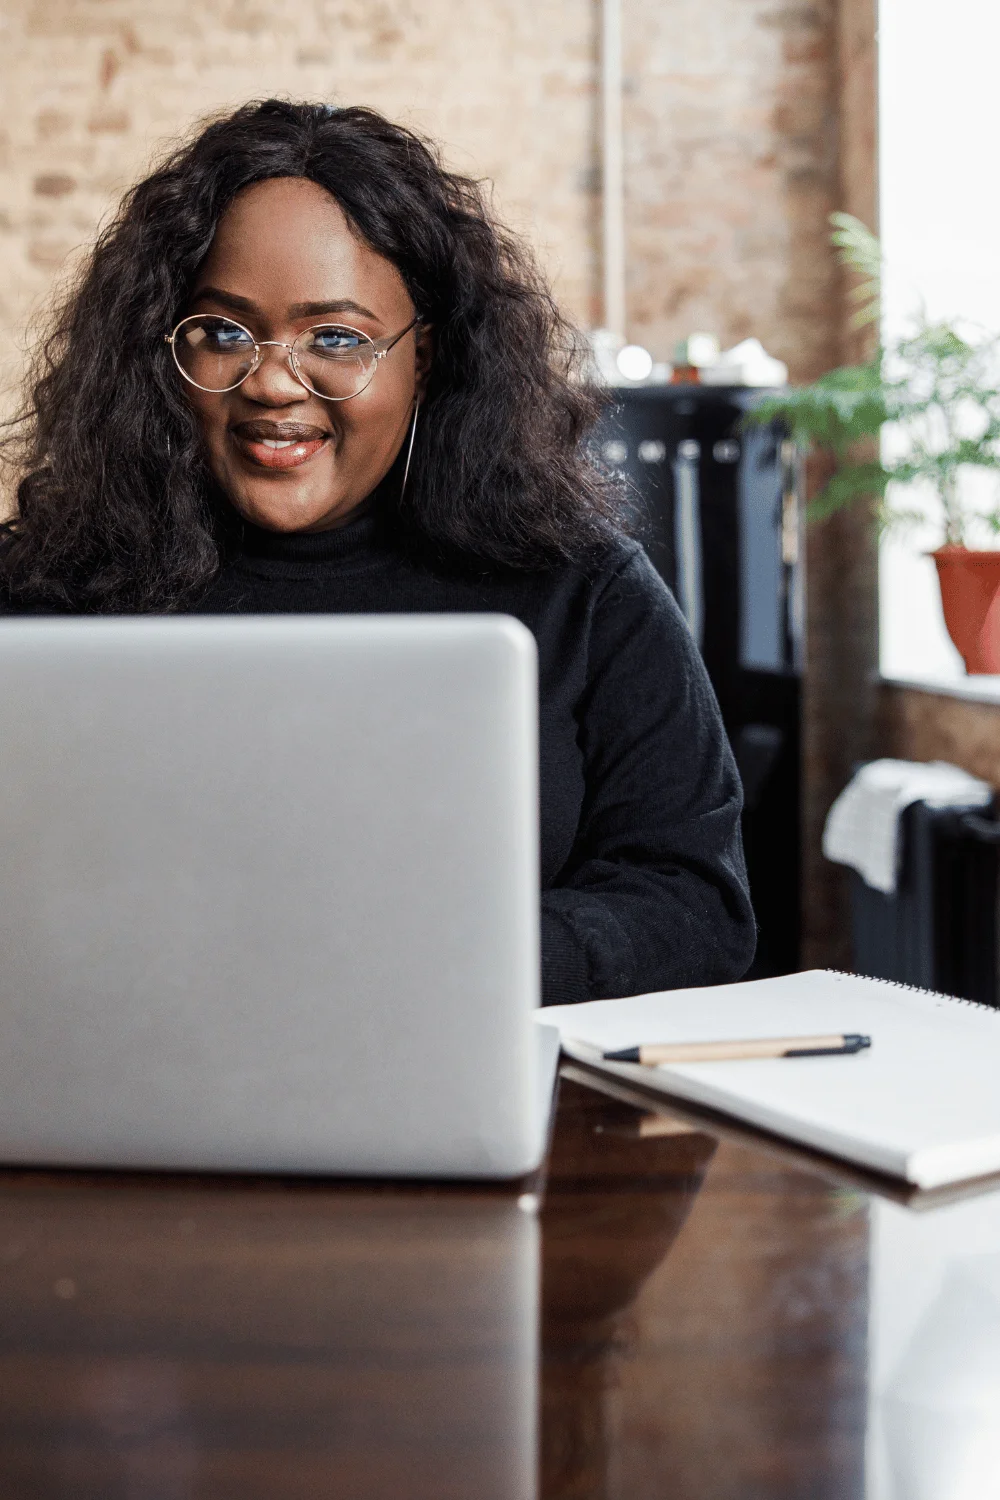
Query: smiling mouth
x,y
278,445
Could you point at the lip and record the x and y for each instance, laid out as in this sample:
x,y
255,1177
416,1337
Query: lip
x,y
298,443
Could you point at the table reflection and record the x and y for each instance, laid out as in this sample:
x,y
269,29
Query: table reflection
x,y
620,1186
934,1336
704,1315
165,1341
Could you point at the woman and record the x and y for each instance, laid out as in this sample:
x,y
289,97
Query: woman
x,y
305,371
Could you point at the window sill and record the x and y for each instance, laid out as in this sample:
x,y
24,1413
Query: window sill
x,y
979,689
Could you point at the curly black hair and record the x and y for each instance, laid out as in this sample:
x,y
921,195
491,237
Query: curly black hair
x,y
116,511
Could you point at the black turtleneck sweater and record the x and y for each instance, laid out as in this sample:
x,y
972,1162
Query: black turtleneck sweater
x,y
643,882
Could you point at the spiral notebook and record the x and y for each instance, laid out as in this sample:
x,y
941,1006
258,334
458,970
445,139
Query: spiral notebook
x,y
923,1103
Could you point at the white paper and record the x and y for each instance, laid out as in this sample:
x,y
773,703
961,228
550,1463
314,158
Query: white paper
x,y
923,1103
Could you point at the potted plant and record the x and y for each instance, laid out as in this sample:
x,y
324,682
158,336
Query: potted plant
x,y
927,406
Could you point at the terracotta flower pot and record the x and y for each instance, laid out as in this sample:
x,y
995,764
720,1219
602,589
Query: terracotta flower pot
x,y
970,596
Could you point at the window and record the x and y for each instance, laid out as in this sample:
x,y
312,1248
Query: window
x,y
940,213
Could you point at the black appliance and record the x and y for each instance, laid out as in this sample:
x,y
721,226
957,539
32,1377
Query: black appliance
x,y
716,505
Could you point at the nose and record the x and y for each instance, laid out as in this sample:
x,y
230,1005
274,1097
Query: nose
x,y
274,382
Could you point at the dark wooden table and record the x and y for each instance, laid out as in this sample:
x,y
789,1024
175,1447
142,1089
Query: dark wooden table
x,y
676,1310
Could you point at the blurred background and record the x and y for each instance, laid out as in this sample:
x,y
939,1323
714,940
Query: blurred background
x,y
736,128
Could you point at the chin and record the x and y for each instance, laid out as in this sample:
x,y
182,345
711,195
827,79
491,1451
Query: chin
x,y
287,511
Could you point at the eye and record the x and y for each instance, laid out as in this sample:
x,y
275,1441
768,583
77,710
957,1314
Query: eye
x,y
217,336
332,342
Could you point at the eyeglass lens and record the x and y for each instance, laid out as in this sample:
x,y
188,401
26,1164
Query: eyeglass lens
x,y
332,361
217,354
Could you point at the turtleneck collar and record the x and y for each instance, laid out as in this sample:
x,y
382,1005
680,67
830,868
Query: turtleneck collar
x,y
355,538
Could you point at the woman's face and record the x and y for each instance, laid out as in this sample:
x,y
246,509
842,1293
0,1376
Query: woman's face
x,y
283,259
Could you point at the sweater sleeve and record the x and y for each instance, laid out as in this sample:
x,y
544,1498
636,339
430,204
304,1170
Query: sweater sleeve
x,y
654,895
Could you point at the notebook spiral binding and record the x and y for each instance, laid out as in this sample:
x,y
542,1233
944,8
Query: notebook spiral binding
x,y
918,989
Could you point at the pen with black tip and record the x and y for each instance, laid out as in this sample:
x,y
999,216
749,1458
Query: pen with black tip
x,y
652,1054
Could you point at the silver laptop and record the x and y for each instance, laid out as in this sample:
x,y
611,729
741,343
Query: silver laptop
x,y
269,895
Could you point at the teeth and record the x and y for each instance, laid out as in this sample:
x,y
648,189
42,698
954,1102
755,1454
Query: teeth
x,y
279,442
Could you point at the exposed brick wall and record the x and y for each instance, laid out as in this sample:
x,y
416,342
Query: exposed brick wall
x,y
841,553
730,121
731,165
915,725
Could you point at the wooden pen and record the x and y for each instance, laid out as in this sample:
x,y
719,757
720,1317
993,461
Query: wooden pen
x,y
651,1054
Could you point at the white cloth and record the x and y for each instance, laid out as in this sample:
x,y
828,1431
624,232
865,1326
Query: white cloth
x,y
862,826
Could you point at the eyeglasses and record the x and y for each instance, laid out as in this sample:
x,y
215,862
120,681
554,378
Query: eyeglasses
x,y
331,360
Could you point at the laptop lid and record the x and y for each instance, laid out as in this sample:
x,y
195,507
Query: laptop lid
x,y
269,894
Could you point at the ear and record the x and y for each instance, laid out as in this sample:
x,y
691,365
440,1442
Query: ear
x,y
424,357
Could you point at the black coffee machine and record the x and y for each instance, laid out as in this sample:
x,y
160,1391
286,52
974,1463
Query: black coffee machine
x,y
716,504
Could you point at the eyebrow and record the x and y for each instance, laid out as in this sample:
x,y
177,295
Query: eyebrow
x,y
297,310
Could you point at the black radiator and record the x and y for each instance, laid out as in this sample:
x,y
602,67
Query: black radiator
x,y
939,929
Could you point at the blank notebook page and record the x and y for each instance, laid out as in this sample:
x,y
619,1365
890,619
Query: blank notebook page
x,y
922,1104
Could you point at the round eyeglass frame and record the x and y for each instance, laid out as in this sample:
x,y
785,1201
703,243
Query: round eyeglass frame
x,y
380,348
